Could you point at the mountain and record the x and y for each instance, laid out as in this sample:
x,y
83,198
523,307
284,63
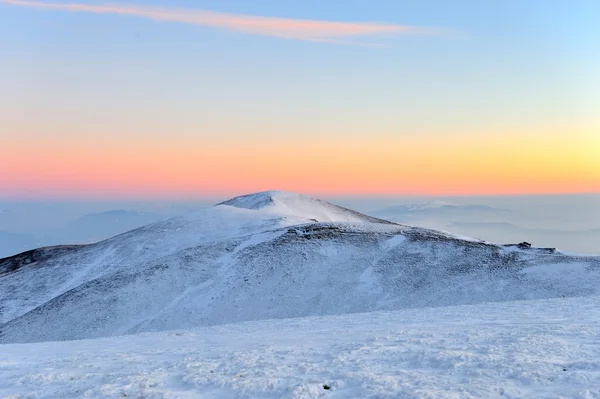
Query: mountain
x,y
263,256
283,203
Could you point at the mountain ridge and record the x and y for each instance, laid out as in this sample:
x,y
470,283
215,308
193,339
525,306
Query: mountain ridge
x,y
227,263
285,202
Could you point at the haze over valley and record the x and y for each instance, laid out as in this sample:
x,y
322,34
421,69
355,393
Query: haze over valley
x,y
568,222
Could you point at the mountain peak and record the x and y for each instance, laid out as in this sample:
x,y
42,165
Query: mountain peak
x,y
264,199
287,204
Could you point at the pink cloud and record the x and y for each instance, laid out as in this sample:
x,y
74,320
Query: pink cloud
x,y
300,29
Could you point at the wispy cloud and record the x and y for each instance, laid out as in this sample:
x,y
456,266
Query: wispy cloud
x,y
299,29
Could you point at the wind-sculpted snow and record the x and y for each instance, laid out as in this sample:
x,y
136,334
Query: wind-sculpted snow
x,y
285,203
525,349
30,284
229,264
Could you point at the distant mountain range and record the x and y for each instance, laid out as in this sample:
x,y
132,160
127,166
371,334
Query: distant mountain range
x,y
441,211
488,223
263,256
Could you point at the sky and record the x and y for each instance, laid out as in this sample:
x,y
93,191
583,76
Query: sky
x,y
183,99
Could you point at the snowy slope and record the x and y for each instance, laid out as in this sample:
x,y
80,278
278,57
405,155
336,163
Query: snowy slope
x,y
291,204
36,283
528,349
40,281
264,256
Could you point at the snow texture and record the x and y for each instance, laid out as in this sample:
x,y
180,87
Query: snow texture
x,y
269,255
291,204
528,349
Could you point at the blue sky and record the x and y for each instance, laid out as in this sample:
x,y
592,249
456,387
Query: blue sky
x,y
544,51
494,69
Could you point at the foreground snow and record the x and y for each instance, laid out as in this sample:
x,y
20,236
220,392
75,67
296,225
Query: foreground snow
x,y
538,348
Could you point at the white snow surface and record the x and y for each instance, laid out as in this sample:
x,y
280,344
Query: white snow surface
x,y
264,256
298,205
34,285
523,349
263,296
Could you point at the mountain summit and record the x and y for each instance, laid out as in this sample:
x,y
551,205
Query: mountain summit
x,y
266,256
264,199
298,205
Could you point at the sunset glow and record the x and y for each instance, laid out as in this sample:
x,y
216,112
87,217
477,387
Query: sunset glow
x,y
455,165
149,100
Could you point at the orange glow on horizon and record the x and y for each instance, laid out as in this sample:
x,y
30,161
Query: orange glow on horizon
x,y
452,165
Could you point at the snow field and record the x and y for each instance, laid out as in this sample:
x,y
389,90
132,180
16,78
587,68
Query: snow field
x,y
527,349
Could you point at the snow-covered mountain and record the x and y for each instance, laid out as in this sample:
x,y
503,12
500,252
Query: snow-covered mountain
x,y
263,256
282,203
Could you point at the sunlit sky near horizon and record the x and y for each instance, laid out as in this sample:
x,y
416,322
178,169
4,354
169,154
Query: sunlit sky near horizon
x,y
211,98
